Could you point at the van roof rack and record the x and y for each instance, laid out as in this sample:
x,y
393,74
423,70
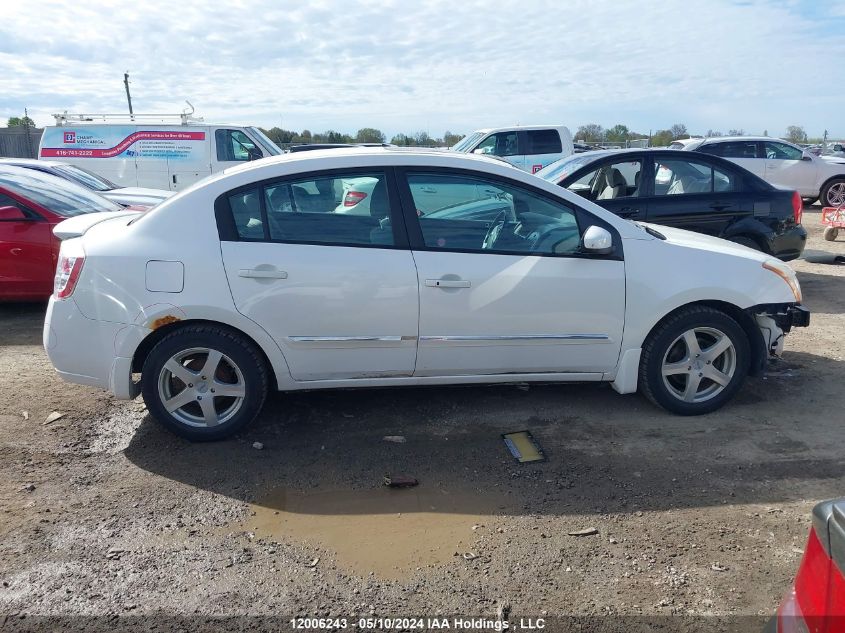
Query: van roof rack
x,y
185,117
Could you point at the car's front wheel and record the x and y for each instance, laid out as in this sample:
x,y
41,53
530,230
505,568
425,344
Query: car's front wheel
x,y
204,382
695,361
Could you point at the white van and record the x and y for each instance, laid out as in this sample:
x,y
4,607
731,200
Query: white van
x,y
171,152
529,147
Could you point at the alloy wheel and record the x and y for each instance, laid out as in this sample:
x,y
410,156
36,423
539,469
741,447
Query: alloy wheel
x,y
699,364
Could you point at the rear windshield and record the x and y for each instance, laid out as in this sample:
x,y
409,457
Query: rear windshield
x,y
466,143
85,178
558,170
62,197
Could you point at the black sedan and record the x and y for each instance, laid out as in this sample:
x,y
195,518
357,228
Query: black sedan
x,y
697,192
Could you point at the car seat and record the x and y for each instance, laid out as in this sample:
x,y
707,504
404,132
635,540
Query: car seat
x,y
616,187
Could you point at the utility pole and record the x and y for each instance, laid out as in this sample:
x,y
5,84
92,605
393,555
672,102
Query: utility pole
x,y
28,137
128,96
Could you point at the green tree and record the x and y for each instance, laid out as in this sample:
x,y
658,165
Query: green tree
x,y
796,134
422,139
402,139
369,135
618,133
450,139
591,133
17,121
661,138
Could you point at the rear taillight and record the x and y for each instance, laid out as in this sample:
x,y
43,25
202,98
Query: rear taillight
x,y
353,197
67,274
797,207
815,604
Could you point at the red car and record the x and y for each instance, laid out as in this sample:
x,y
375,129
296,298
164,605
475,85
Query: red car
x,y
31,204
816,602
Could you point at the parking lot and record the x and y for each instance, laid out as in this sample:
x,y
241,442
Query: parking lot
x,y
104,512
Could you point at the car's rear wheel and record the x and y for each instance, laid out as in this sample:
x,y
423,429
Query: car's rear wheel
x,y
833,193
204,382
695,361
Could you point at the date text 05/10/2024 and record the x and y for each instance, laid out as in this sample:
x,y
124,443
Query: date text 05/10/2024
x,y
421,624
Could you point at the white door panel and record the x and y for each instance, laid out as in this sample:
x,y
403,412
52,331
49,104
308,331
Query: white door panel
x,y
795,174
336,312
756,166
483,313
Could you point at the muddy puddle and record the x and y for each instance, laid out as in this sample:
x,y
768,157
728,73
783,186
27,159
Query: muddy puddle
x,y
386,531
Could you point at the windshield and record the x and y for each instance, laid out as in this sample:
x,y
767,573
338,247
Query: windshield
x,y
62,197
466,143
558,170
85,178
265,142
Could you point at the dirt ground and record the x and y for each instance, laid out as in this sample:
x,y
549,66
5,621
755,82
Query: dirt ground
x,y
102,512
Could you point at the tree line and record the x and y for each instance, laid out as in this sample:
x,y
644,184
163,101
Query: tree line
x,y
284,137
594,133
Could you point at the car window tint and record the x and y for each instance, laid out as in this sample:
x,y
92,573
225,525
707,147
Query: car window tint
x,y
501,144
736,149
609,181
781,151
676,177
466,213
340,210
543,142
8,201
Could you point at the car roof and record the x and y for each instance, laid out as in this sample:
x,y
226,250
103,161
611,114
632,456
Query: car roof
x,y
30,162
505,128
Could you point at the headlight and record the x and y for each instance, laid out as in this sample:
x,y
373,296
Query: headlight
x,y
785,273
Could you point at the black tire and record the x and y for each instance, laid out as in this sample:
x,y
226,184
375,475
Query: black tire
x,y
241,369
825,192
750,242
663,342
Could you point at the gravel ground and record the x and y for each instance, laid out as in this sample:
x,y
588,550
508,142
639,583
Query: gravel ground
x,y
103,513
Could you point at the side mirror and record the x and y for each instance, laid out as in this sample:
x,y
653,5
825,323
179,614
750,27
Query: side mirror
x,y
11,213
806,156
597,241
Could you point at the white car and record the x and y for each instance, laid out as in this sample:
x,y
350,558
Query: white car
x,y
528,147
782,163
227,290
126,196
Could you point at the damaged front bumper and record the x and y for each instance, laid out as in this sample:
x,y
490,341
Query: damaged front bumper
x,y
776,320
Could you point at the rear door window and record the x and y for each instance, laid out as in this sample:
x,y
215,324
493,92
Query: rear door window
x,y
340,210
683,177
543,142
781,151
734,149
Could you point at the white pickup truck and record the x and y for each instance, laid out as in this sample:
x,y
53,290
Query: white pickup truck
x,y
529,147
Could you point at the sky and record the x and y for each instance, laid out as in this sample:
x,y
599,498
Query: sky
x,y
432,65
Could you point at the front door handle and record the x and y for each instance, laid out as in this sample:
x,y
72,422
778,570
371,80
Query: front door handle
x,y
720,206
447,283
258,273
628,212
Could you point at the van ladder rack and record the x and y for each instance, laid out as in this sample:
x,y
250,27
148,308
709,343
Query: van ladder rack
x,y
185,117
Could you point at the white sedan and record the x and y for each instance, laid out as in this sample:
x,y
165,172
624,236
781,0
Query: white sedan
x,y
242,284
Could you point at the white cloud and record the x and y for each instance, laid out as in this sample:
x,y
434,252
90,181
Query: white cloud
x,y
436,65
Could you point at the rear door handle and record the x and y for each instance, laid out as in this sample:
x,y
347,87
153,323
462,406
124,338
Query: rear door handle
x,y
257,273
447,283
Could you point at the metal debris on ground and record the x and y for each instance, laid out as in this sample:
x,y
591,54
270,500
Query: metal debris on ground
x,y
523,447
585,532
313,563
25,415
469,556
55,415
400,481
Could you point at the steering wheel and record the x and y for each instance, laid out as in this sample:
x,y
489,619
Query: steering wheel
x,y
495,229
